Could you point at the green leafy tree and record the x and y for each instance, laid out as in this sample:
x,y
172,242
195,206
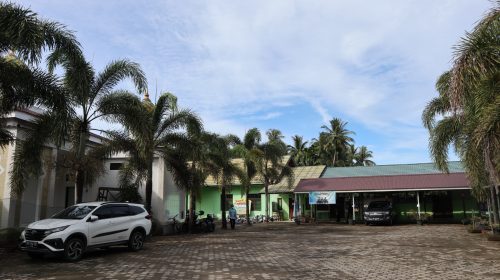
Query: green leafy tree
x,y
268,160
151,131
466,112
244,149
23,39
362,157
298,150
88,97
335,139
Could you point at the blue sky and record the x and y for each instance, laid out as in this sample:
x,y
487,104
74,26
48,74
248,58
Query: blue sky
x,y
290,65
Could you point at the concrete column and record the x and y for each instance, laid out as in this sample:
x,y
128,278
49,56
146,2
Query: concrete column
x,y
353,209
418,204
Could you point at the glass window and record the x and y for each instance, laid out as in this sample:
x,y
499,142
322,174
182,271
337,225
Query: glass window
x,y
256,202
229,201
74,212
120,210
115,166
103,212
135,210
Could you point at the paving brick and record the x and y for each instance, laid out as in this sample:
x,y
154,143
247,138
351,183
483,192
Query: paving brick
x,y
283,251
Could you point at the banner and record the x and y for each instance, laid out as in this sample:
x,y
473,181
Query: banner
x,y
240,206
322,198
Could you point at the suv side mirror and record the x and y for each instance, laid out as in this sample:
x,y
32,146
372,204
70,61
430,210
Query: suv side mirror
x,y
93,218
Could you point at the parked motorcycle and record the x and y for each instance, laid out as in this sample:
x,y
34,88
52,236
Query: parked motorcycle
x,y
203,224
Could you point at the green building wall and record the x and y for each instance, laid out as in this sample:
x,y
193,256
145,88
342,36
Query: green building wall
x,y
209,200
461,201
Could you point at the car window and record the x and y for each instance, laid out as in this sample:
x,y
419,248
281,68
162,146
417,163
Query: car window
x,y
120,210
135,210
75,212
103,212
379,205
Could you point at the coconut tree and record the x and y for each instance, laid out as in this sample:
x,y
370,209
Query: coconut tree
x,y
298,150
244,149
23,39
363,156
88,97
336,138
223,169
467,108
151,131
268,160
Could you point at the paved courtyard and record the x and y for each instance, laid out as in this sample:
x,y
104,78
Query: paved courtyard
x,y
284,251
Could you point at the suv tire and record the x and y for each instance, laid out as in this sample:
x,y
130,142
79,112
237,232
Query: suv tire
x,y
136,240
73,249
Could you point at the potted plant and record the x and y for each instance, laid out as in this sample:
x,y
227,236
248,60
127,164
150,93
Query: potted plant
x,y
477,225
420,219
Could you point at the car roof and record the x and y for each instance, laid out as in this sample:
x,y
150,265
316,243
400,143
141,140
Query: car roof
x,y
99,203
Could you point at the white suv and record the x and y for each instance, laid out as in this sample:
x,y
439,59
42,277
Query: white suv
x,y
86,225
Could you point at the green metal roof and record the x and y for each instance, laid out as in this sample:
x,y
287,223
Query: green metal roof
x,y
392,169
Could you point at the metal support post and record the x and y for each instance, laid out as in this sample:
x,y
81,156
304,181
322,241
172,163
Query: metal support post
x,y
418,205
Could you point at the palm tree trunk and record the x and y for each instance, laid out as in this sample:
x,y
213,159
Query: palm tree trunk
x,y
266,187
493,203
190,221
223,206
149,187
79,183
80,178
493,181
247,192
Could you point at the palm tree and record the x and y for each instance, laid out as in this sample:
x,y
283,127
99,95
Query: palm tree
x,y
244,150
268,160
94,96
152,130
468,109
363,157
337,138
298,150
23,38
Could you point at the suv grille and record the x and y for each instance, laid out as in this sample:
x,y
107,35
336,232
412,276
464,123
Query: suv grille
x,y
34,234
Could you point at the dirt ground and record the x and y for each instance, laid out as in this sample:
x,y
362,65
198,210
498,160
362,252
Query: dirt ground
x,y
283,251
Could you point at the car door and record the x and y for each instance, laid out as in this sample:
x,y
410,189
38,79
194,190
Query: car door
x,y
120,222
99,231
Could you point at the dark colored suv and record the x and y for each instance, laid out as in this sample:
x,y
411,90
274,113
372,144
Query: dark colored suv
x,y
379,212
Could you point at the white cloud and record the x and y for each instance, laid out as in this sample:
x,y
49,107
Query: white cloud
x,y
374,63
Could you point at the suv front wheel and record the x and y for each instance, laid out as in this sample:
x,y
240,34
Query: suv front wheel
x,y
136,241
74,248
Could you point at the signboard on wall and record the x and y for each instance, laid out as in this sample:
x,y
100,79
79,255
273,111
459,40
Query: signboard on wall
x,y
240,206
322,198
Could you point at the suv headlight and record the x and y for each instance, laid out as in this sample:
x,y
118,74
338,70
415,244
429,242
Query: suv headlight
x,y
54,230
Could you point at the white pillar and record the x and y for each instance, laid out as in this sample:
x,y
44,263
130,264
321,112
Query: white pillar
x,y
295,207
353,208
418,205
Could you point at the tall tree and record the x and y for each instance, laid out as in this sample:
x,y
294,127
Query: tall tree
x,y
244,150
336,138
298,150
23,39
91,94
363,157
151,131
466,112
268,160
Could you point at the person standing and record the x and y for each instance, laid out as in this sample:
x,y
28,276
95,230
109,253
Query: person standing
x,y
232,216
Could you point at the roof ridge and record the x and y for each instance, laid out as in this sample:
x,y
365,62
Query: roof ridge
x,y
391,175
393,164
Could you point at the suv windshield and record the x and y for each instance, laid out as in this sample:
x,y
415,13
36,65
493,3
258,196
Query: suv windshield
x,y
75,212
379,205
